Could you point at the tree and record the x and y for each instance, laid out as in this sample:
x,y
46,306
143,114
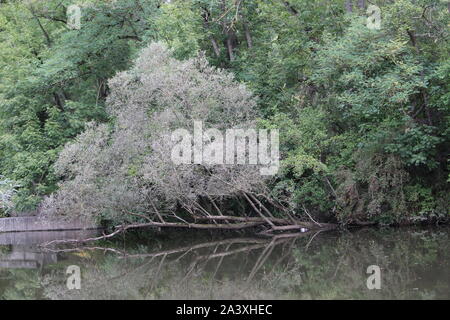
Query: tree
x,y
378,95
124,172
54,80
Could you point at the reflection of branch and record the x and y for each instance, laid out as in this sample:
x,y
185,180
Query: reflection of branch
x,y
155,278
188,249
158,261
312,238
262,258
121,229
231,252
119,252
251,244
220,263
184,250
267,245
283,256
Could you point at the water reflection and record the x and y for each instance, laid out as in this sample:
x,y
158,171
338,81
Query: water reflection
x,y
20,249
329,265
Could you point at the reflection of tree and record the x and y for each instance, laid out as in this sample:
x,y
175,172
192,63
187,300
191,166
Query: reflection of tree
x,y
326,266
176,270
20,284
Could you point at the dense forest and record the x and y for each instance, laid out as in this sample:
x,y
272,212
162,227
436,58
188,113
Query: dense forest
x,y
363,110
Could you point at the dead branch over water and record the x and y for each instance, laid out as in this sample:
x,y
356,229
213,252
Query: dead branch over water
x,y
233,223
201,218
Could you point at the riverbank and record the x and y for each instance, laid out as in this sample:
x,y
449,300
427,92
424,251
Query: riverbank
x,y
36,223
275,228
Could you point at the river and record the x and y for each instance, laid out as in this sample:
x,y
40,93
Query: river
x,y
405,263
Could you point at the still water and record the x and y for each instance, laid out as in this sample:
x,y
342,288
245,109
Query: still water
x,y
414,264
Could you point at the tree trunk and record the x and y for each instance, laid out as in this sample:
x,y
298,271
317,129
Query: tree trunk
x,y
230,44
362,4
215,47
349,6
290,8
248,36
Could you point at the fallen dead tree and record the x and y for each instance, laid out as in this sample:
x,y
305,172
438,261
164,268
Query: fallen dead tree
x,y
277,228
124,173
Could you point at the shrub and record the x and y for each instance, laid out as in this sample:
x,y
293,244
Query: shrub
x,y
7,192
123,172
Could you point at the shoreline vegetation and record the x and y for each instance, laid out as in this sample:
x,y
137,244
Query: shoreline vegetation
x,y
87,115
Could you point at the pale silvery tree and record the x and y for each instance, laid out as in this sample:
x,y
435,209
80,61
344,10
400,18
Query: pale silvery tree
x,y
123,171
8,189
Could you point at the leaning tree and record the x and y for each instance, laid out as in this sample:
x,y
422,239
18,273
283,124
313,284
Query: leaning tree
x,y
123,172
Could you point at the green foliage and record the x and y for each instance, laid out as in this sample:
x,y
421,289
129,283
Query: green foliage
x,y
54,80
8,189
383,88
109,172
363,114
305,137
